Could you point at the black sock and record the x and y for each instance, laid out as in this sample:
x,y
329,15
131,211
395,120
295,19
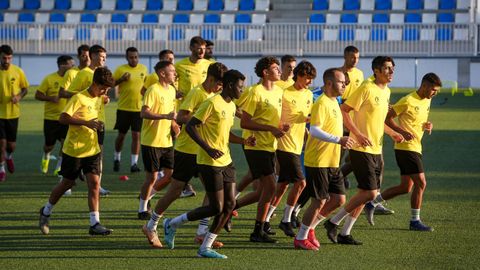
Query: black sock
x,y
258,226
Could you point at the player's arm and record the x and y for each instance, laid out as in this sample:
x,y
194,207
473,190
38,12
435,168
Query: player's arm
x,y
396,136
20,96
183,117
246,122
66,119
125,77
348,122
42,97
146,113
318,133
63,93
250,141
175,128
392,126
192,131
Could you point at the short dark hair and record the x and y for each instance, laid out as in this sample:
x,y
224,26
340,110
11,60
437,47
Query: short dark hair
x,y
161,65
287,59
209,43
432,79
217,70
63,59
378,62
329,74
197,40
103,76
350,49
162,53
96,49
304,68
82,48
232,76
131,49
6,49
264,63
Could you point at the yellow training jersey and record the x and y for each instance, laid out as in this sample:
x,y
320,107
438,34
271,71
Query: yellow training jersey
x,y
12,81
50,87
370,104
151,79
356,79
156,133
265,107
327,116
191,103
285,84
68,77
412,113
296,106
82,141
217,117
82,81
130,97
190,74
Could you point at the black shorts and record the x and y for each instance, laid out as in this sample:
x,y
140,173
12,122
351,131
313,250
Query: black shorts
x,y
261,163
126,120
214,177
8,129
290,167
71,166
409,162
318,182
156,158
368,169
185,166
101,136
53,131
336,184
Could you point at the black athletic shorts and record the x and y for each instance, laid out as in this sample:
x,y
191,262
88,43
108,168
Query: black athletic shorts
x,y
261,163
318,181
156,158
185,166
71,166
8,129
214,177
290,167
101,136
126,120
53,131
409,162
368,169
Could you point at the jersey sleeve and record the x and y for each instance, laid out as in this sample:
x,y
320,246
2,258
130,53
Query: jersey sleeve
x,y
118,73
72,105
149,98
356,98
23,80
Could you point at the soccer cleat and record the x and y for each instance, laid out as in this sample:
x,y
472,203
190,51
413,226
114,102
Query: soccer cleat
x,y
44,165
228,225
10,165
380,209
56,172
104,192
417,225
235,213
268,229
152,237
262,237
144,215
348,240
331,230
210,253
188,191
3,176
43,222
116,165
312,238
369,212
134,168
346,183
68,192
304,244
287,228
98,229
199,240
169,233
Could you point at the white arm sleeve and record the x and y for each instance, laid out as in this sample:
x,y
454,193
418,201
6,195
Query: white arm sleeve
x,y
318,133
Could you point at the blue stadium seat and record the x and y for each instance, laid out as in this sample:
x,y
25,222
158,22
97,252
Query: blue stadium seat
x,y
445,18
4,4
176,34
317,18
240,34
17,33
62,4
208,34
447,4
31,4
119,18
57,17
320,5
246,5
26,17
411,34
181,18
215,5
88,18
348,18
414,4
185,5
150,18
383,4
154,5
93,4
145,34
243,18
351,4
378,34
314,34
124,5
114,34
83,33
51,33
413,18
380,18
1,17
346,34
211,18
444,34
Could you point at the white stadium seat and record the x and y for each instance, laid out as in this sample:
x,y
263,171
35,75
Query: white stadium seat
x,y
430,4
129,34
42,17
224,34
104,18
9,17
189,33
397,18
262,5
165,18
429,18
34,33
255,34
47,4
427,34
231,5
364,18
399,5
200,5
463,4
72,18
77,5
333,18
460,34
330,34
66,33
97,33
170,5
108,5
367,5
462,18
259,18
139,5
16,5
196,18
394,34
335,5
134,18
160,34
227,18
362,34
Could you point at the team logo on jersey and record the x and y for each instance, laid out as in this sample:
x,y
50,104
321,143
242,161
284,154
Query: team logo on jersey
x,y
294,102
334,113
12,81
416,109
55,85
280,102
267,103
377,101
90,108
142,75
162,99
357,82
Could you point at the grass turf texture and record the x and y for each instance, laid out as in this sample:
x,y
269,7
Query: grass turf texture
x,y
451,206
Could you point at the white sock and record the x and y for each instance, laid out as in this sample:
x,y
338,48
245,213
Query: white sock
x,y
134,159
287,213
303,232
347,227
238,195
271,209
297,209
9,155
46,155
94,218
208,241
59,163
117,155
339,216
415,214
143,205
378,200
153,222
319,218
178,220
202,228
47,210
152,193
2,167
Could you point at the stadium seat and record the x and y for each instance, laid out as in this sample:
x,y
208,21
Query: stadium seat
x,y
314,34
108,5
83,33
413,18
320,5
414,4
160,34
383,4
181,18
1,17
119,18
399,5
255,34
394,34
62,5
77,5
10,17
215,5
185,5
47,4
463,4
16,5
462,18
261,5
145,34
348,18
97,33
150,18
170,5
35,33
31,4
259,18
93,4
154,5
4,4
191,32
129,34
317,18
445,18
51,33
66,33
176,34
427,34
114,34
72,18
367,5
88,18
224,34
104,18
135,18
239,34
57,17
196,18
124,5
42,17
410,34
333,18
208,34
444,34
346,34
18,33
430,5
362,34
397,18
378,34
211,18
165,18
231,5
335,5
429,18
246,5
460,34
26,17
139,5
243,18
380,18
227,18
200,5
351,4
365,18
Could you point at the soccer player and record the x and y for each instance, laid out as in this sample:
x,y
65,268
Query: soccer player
x,y
288,63
48,91
296,106
322,156
129,78
84,61
81,150
412,112
370,105
209,51
152,78
13,87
